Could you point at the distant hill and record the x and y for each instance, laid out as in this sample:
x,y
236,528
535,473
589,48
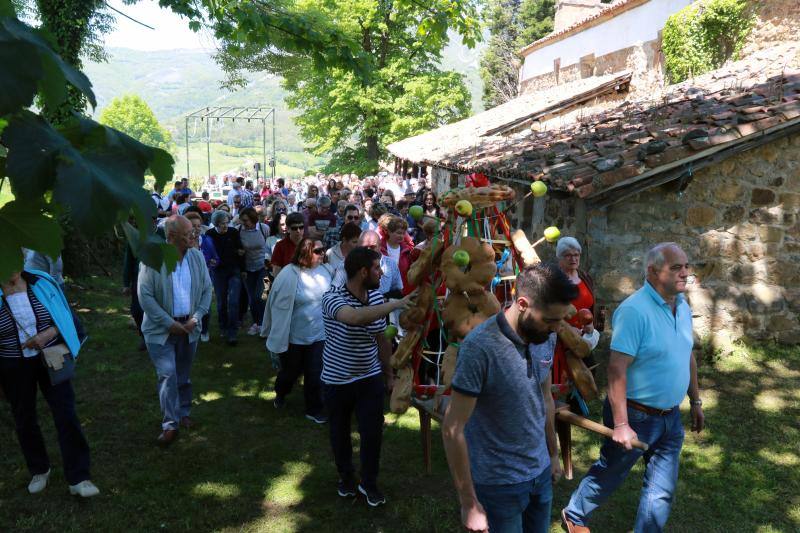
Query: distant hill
x,y
177,82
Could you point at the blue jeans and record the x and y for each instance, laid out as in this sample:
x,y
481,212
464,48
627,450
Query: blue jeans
x,y
173,362
519,507
664,436
227,286
254,283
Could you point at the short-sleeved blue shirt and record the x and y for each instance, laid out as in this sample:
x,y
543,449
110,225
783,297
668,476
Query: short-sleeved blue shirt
x,y
660,344
505,434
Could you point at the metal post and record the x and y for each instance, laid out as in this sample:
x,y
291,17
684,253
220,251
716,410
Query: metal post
x,y
208,145
264,145
187,147
274,158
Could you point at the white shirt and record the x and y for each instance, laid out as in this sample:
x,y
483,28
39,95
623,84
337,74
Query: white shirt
x,y
393,253
307,309
26,320
181,289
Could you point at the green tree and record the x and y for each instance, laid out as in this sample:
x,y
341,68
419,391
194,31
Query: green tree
x,y
61,162
351,114
131,115
512,24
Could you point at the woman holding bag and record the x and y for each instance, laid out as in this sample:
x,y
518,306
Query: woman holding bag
x,y
35,317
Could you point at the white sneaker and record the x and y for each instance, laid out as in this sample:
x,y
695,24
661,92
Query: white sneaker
x,y
38,482
204,337
85,489
254,330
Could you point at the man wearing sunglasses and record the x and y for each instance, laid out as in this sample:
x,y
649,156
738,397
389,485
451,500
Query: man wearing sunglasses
x,y
284,250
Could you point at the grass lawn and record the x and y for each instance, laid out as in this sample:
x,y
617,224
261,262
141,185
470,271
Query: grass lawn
x,y
225,158
249,467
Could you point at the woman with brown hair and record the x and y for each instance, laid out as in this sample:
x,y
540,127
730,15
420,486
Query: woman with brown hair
x,y
292,322
396,242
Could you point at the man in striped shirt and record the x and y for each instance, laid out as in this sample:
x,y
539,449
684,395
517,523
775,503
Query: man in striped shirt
x,y
355,368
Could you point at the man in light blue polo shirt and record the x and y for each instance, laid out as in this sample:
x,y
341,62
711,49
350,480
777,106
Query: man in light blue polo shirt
x,y
650,371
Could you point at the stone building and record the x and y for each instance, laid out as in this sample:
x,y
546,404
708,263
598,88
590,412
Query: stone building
x,y
712,163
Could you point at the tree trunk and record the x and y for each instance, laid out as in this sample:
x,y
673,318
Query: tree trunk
x,y
373,152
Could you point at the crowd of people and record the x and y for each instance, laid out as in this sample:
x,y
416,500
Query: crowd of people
x,y
320,266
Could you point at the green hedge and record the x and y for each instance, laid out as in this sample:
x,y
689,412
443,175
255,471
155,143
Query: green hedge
x,y
702,36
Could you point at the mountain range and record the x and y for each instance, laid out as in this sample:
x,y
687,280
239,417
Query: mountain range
x,y
175,83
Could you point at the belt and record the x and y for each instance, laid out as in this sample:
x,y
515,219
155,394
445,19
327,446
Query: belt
x,y
181,318
649,410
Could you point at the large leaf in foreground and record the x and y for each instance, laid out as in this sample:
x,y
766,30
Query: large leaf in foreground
x,y
29,228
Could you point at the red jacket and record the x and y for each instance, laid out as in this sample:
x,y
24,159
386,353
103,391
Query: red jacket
x,y
406,254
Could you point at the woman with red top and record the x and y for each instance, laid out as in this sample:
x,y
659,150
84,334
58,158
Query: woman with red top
x,y
568,252
396,243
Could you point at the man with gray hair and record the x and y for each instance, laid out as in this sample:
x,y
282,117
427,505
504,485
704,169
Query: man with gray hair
x,y
174,304
650,371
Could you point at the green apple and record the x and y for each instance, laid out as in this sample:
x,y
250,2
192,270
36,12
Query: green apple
x,y
416,212
552,234
538,188
390,332
461,258
464,208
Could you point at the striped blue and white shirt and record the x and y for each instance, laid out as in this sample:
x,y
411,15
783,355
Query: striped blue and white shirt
x,y
351,352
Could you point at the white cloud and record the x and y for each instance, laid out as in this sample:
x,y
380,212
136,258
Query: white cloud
x,y
171,31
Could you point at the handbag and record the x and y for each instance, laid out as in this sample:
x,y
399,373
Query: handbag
x,y
58,359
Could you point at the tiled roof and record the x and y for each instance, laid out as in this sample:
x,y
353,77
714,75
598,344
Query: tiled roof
x,y
437,144
610,11
640,141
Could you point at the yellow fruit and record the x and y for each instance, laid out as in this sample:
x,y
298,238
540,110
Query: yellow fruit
x,y
464,208
552,234
538,188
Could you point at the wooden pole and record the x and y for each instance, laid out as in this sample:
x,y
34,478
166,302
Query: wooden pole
x,y
591,425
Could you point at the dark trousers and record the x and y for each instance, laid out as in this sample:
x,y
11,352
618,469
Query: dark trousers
x,y
19,385
206,320
365,398
254,284
227,286
136,309
305,360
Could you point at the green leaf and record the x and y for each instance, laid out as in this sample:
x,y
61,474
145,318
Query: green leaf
x,y
32,148
151,250
12,31
29,228
19,76
162,166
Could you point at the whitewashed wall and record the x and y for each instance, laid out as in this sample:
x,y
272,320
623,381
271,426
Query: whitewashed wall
x,y
637,25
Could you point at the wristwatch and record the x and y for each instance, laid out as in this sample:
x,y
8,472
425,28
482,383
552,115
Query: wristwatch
x,y
697,402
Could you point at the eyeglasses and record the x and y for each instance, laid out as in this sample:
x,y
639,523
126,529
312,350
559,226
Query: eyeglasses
x,y
297,228
319,251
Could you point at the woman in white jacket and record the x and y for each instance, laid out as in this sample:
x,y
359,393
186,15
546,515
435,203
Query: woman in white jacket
x,y
293,325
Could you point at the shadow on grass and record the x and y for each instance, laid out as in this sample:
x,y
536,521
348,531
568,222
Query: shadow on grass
x,y
249,467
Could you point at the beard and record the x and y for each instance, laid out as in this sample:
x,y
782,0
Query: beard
x,y
372,284
529,333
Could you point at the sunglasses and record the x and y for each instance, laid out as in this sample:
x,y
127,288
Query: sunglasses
x,y
355,217
297,228
319,251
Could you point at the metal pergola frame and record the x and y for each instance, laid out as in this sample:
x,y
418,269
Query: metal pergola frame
x,y
258,113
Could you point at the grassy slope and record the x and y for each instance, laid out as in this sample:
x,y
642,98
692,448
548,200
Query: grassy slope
x,y
251,468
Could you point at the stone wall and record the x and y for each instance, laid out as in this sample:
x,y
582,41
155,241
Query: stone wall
x,y
739,222
777,21
569,12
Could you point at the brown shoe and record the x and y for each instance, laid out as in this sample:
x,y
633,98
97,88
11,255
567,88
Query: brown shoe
x,y
187,422
167,437
570,526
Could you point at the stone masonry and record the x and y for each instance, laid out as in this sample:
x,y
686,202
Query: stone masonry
x,y
739,222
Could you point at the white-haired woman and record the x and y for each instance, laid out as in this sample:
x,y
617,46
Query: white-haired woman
x,y
568,252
